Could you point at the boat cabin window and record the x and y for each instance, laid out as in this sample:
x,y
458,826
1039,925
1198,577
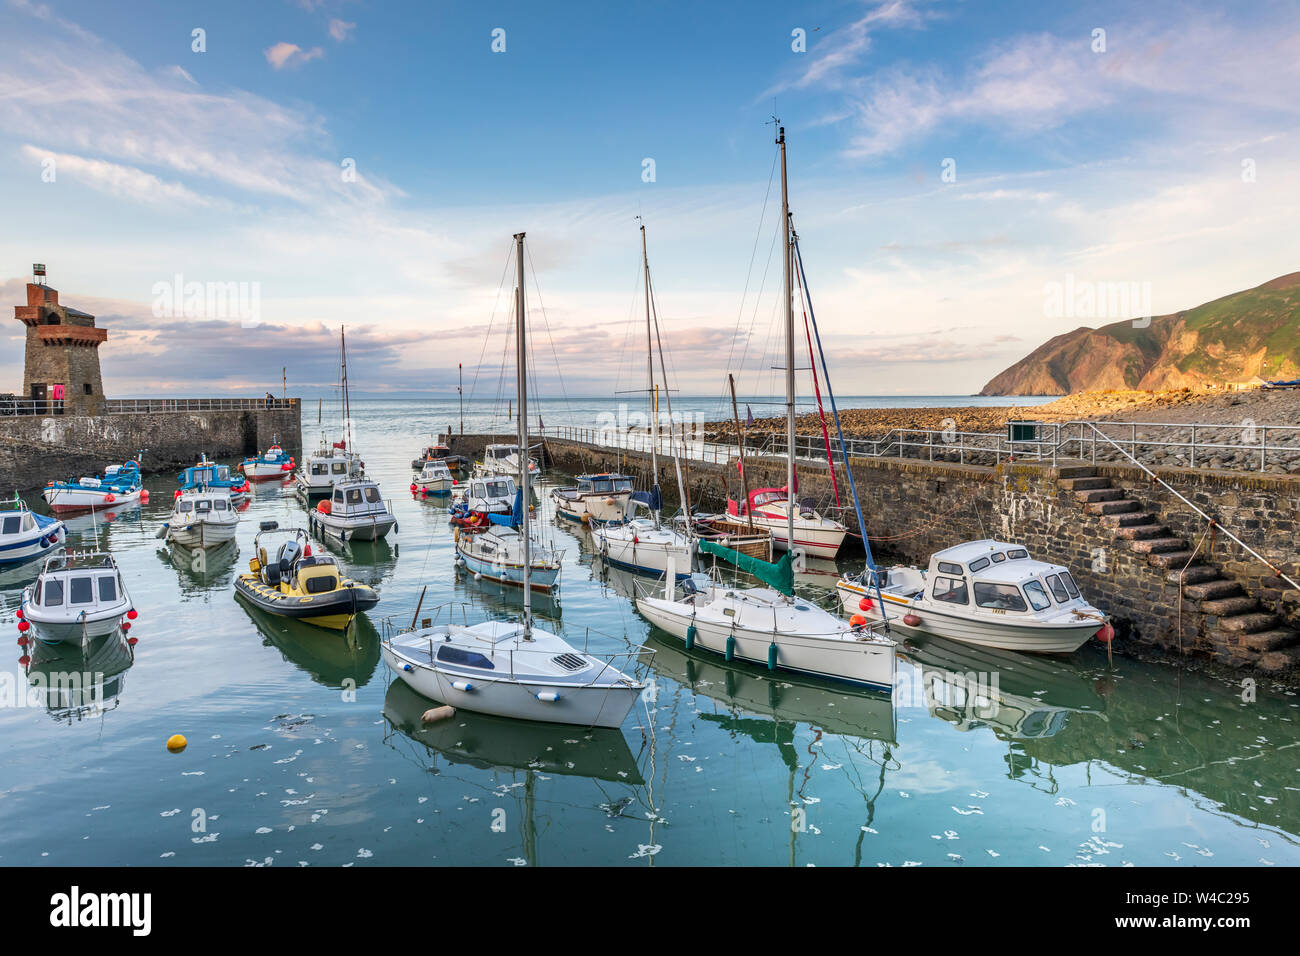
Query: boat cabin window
x,y
602,486
12,523
185,507
220,504
1016,553
354,496
504,451
455,655
1002,597
1070,586
203,505
497,489
81,591
223,473
1058,589
53,593
768,496
623,484
998,558
320,469
951,590
1037,595
979,564
338,495
338,468
947,567
107,590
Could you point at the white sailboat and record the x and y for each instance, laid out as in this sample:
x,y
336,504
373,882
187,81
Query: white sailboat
x,y
646,545
770,625
506,668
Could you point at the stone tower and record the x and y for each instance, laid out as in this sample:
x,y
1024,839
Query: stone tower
x,y
62,362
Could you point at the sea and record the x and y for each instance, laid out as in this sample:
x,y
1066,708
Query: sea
x,y
304,749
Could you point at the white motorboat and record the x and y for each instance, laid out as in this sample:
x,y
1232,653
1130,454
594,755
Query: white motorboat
x,y
513,669
595,499
435,478
76,598
275,462
503,459
769,508
319,471
987,593
355,511
492,495
497,552
202,518
119,485
25,535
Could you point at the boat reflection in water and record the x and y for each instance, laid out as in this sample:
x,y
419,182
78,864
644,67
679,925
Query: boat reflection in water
x,y
344,659
768,708
75,682
202,569
371,563
515,747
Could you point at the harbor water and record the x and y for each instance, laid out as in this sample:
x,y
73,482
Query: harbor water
x,y
304,749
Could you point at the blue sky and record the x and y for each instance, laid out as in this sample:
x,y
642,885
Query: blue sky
x,y
1122,164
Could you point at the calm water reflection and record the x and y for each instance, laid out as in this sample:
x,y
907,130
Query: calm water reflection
x,y
303,748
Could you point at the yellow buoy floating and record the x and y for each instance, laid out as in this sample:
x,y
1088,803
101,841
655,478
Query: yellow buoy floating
x,y
435,714
176,743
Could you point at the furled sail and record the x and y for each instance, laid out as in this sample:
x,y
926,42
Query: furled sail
x,y
779,575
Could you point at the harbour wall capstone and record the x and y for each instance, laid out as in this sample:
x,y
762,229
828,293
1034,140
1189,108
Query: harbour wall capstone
x,y
36,449
913,508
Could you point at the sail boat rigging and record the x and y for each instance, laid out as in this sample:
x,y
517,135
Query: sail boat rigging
x,y
769,624
645,545
514,669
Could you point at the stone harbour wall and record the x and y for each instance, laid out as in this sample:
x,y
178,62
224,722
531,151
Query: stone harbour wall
x,y
35,449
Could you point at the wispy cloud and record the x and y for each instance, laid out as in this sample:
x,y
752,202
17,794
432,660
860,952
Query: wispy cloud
x,y
340,29
282,54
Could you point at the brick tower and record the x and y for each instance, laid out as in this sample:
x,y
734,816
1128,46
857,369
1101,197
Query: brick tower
x,y
62,363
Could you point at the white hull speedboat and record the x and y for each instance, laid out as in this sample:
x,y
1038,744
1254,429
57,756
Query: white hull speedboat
x,y
596,500
65,498
502,460
639,546
435,478
202,519
25,535
76,598
985,593
491,668
274,463
316,476
763,626
355,511
496,554
491,495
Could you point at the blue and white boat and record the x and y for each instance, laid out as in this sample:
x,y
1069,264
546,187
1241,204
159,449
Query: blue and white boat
x,y
496,552
119,485
598,499
24,534
275,462
207,474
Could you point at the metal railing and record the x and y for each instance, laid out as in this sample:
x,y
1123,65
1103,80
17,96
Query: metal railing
x,y
137,406
1256,445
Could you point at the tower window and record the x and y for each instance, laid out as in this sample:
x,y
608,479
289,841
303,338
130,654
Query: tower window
x,y
88,389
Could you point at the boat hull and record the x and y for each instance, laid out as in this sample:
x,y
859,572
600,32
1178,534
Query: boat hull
x,y
540,578
1043,638
70,500
646,557
349,529
594,509
815,542
72,633
600,706
40,542
860,662
334,610
202,534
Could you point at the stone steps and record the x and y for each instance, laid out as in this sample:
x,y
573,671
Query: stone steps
x,y
1212,590
1083,484
1099,494
1139,532
1127,519
1229,606
1157,545
1274,640
1076,471
1112,507
1247,623
1171,560
1196,574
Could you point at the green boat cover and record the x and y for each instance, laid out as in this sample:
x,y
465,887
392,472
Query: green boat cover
x,y
780,575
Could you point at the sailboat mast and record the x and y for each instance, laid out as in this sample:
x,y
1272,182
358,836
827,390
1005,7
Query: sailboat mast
x,y
650,373
343,375
521,358
789,351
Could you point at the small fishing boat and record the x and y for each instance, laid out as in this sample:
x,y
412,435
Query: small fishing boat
x,y
769,509
497,553
319,471
435,452
988,593
202,518
119,485
503,459
434,479
208,475
355,511
495,495
275,462
596,499
77,598
24,534
293,582
506,668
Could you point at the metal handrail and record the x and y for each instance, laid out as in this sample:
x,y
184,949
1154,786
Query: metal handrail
x,y
1213,522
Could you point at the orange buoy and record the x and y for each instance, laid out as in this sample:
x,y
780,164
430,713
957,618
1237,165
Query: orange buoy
x,y
323,507
911,620
1106,633
866,604
857,621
